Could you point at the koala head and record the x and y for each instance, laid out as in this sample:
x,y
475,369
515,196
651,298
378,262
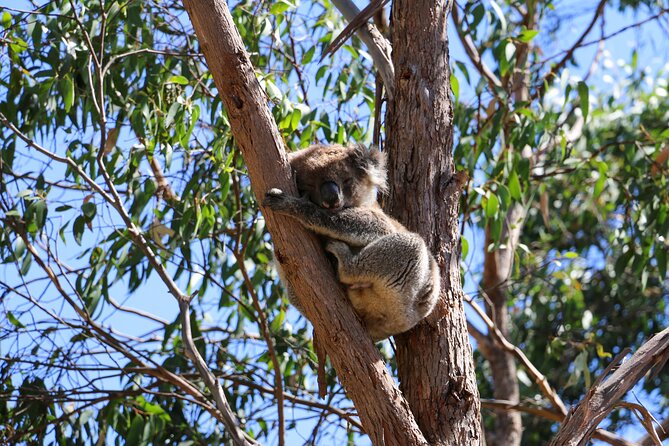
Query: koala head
x,y
335,177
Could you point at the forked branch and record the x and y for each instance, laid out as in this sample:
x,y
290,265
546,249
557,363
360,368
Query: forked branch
x,y
603,396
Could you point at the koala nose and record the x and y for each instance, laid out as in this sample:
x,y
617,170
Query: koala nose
x,y
330,195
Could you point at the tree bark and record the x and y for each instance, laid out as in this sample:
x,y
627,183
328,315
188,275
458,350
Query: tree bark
x,y
436,369
383,411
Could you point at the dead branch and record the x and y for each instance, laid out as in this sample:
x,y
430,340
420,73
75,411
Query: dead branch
x,y
602,398
377,45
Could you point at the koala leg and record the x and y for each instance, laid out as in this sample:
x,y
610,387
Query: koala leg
x,y
398,266
388,261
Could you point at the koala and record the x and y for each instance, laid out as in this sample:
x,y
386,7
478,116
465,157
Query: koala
x,y
388,273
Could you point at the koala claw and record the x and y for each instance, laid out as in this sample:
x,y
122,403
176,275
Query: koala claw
x,y
273,197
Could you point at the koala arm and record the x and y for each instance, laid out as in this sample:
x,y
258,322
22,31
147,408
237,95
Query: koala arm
x,y
354,226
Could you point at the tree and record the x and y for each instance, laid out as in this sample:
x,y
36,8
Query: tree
x,y
133,155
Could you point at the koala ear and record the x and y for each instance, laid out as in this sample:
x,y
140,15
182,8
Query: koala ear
x,y
292,156
373,162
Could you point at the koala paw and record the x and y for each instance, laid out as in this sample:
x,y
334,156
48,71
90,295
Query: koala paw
x,y
273,198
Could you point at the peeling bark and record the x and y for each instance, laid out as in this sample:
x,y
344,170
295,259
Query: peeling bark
x,y
604,394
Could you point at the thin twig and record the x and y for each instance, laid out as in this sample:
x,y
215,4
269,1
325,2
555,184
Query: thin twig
x,y
538,377
470,48
550,76
264,327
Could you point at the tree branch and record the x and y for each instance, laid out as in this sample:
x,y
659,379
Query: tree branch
x,y
470,48
662,432
538,377
602,397
600,434
377,45
550,76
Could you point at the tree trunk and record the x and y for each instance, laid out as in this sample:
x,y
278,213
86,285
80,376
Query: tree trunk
x,y
436,369
496,271
383,410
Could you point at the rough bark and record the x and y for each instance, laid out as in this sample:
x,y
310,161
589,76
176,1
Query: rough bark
x,y
603,396
383,411
435,364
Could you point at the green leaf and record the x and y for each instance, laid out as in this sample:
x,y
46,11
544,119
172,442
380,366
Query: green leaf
x,y
25,193
622,262
514,187
14,321
455,86
38,210
492,205
136,434
6,19
25,265
463,69
169,119
272,90
19,249
665,134
277,322
527,35
92,300
78,228
181,80
309,55
509,50
504,196
295,118
68,93
153,409
89,210
599,186
279,7
584,98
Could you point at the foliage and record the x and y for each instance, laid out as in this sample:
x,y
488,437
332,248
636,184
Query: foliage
x,y
92,347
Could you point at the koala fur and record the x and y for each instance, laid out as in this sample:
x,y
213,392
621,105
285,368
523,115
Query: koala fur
x,y
390,276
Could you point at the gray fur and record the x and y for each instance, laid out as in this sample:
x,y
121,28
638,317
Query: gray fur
x,y
390,276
